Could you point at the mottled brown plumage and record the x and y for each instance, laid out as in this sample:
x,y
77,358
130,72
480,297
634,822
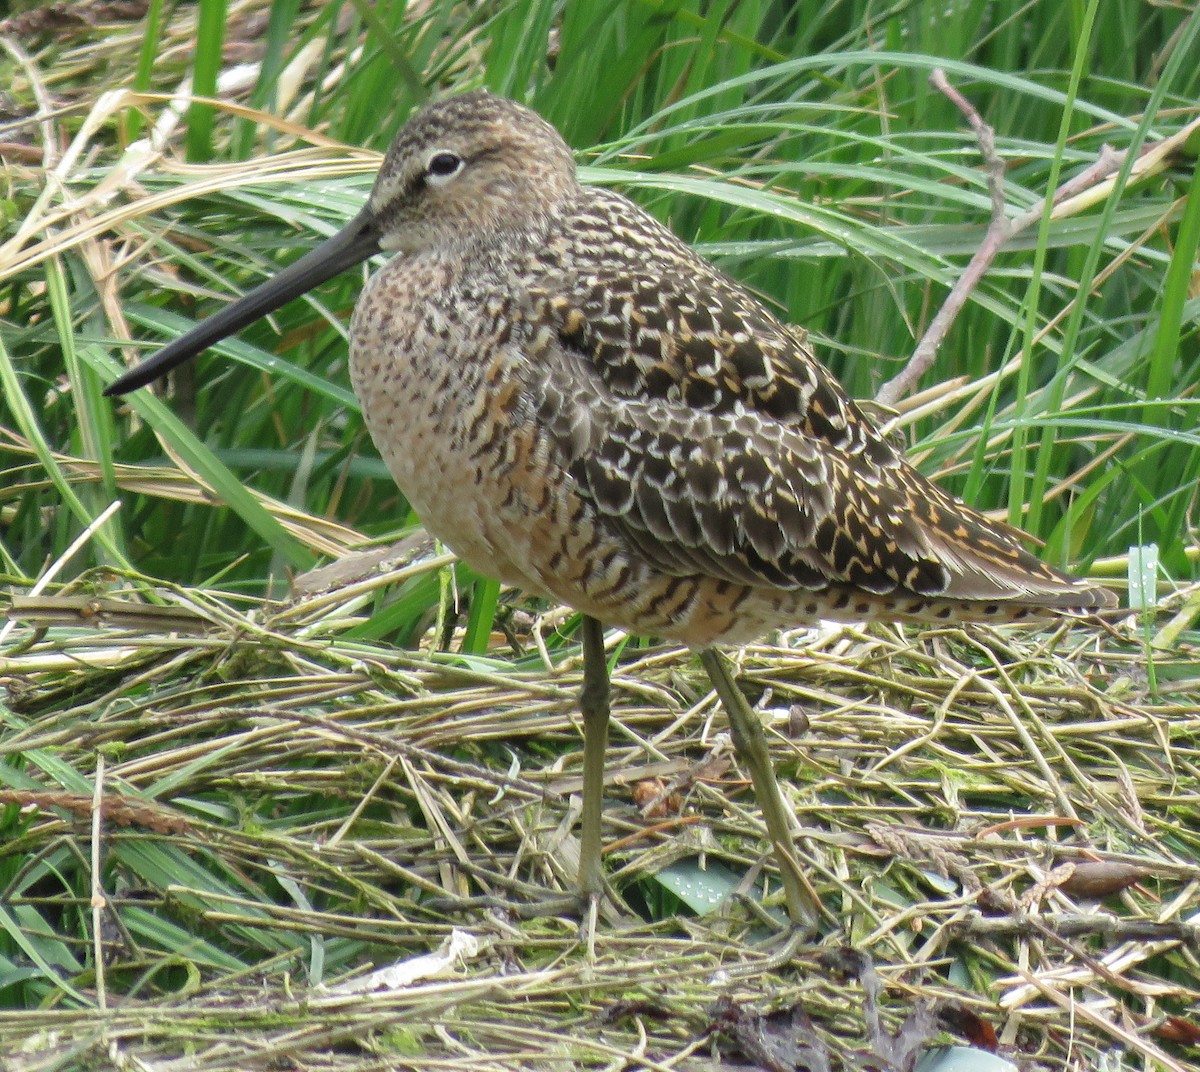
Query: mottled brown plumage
x,y
640,438
578,404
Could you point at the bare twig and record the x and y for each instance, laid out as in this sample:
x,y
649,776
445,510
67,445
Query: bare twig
x,y
1000,230
1108,162
1078,925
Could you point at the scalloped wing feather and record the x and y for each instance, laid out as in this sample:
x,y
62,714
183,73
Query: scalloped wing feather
x,y
711,437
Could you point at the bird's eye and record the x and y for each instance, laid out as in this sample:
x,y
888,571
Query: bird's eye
x,y
443,166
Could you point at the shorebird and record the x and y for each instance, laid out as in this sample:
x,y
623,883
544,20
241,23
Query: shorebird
x,y
578,404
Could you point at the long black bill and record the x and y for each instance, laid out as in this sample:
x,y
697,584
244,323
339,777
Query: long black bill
x,y
352,245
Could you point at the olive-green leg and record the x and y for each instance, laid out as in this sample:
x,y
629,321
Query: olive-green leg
x,y
751,745
594,705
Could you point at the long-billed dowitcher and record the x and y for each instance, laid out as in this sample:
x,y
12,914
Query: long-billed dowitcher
x,y
578,404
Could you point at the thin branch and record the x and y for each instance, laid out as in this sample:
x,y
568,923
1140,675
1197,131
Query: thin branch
x,y
1077,925
1000,230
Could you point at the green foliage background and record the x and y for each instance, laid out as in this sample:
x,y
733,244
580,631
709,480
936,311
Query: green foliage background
x,y
801,147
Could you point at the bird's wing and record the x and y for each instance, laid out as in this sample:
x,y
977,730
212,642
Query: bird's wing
x,y
658,321
710,435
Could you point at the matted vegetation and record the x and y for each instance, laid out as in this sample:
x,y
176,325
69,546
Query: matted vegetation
x,y
230,787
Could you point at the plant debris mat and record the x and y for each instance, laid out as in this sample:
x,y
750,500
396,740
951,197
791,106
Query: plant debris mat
x,y
233,836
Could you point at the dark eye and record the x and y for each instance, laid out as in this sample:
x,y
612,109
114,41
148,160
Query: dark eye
x,y
443,166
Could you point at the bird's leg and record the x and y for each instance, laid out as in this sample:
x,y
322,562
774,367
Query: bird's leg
x,y
593,704
751,745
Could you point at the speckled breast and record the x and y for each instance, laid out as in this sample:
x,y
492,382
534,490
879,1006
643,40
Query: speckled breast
x,y
440,390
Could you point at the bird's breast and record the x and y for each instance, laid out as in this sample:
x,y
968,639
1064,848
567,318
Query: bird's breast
x,y
441,383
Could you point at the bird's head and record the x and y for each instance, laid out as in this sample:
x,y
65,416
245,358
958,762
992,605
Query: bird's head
x,y
468,167
460,170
